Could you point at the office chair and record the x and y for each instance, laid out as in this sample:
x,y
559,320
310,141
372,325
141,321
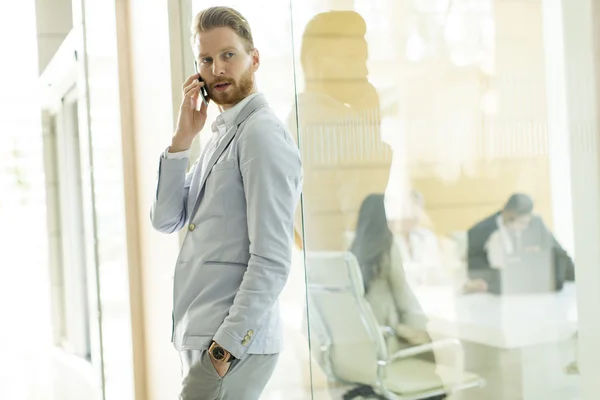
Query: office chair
x,y
350,346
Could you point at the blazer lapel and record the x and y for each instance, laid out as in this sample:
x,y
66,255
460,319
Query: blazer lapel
x,y
253,105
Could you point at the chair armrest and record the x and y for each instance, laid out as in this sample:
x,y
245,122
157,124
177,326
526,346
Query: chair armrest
x,y
424,348
453,344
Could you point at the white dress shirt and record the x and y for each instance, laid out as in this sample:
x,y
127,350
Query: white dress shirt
x,y
222,124
503,245
421,256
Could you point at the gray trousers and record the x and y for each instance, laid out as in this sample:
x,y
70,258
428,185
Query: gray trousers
x,y
245,379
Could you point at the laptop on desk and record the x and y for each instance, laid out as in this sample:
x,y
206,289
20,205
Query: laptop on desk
x,y
527,273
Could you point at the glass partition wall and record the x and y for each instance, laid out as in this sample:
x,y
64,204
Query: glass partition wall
x,y
435,247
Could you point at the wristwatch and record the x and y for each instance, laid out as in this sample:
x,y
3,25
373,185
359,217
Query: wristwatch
x,y
219,354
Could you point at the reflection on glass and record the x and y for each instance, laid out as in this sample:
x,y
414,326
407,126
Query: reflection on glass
x,y
431,137
339,126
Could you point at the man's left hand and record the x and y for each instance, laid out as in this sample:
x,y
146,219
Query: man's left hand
x,y
220,367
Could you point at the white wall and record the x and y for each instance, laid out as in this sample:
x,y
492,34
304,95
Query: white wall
x,y
581,20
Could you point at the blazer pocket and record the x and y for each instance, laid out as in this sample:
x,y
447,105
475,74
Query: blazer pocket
x,y
229,164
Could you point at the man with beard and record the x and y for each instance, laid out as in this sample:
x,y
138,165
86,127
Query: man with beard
x,y
516,238
237,203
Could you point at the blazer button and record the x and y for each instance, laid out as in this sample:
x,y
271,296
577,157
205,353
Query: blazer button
x,y
192,227
250,333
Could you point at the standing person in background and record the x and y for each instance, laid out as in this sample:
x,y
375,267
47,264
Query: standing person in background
x,y
337,111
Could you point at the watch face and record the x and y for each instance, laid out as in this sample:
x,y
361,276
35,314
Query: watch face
x,y
218,353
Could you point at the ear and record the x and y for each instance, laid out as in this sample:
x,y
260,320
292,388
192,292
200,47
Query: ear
x,y
255,59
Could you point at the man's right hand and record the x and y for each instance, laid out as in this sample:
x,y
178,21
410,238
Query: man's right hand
x,y
476,286
190,121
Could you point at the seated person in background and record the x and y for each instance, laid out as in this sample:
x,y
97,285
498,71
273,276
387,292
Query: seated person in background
x,y
419,246
386,289
504,237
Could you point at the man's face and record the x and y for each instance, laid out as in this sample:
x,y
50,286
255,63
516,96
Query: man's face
x,y
516,222
225,65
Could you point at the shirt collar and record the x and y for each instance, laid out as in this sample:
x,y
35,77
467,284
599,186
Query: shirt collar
x,y
228,117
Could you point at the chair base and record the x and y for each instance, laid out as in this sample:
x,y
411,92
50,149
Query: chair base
x,y
362,391
367,392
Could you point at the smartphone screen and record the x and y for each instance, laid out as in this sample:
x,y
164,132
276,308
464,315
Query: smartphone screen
x,y
203,91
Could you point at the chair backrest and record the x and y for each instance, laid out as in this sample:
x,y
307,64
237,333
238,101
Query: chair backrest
x,y
341,320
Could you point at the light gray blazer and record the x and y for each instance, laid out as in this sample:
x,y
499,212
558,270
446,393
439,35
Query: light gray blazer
x,y
239,217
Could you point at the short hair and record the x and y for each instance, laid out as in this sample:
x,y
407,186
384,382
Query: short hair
x,y
519,203
220,17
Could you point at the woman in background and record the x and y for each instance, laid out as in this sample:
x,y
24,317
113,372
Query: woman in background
x,y
386,289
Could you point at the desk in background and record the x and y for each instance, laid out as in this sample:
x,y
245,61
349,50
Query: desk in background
x,y
519,343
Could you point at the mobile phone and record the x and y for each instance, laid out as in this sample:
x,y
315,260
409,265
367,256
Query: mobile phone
x,y
203,91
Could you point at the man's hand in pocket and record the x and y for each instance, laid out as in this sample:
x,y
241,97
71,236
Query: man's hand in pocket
x,y
220,367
